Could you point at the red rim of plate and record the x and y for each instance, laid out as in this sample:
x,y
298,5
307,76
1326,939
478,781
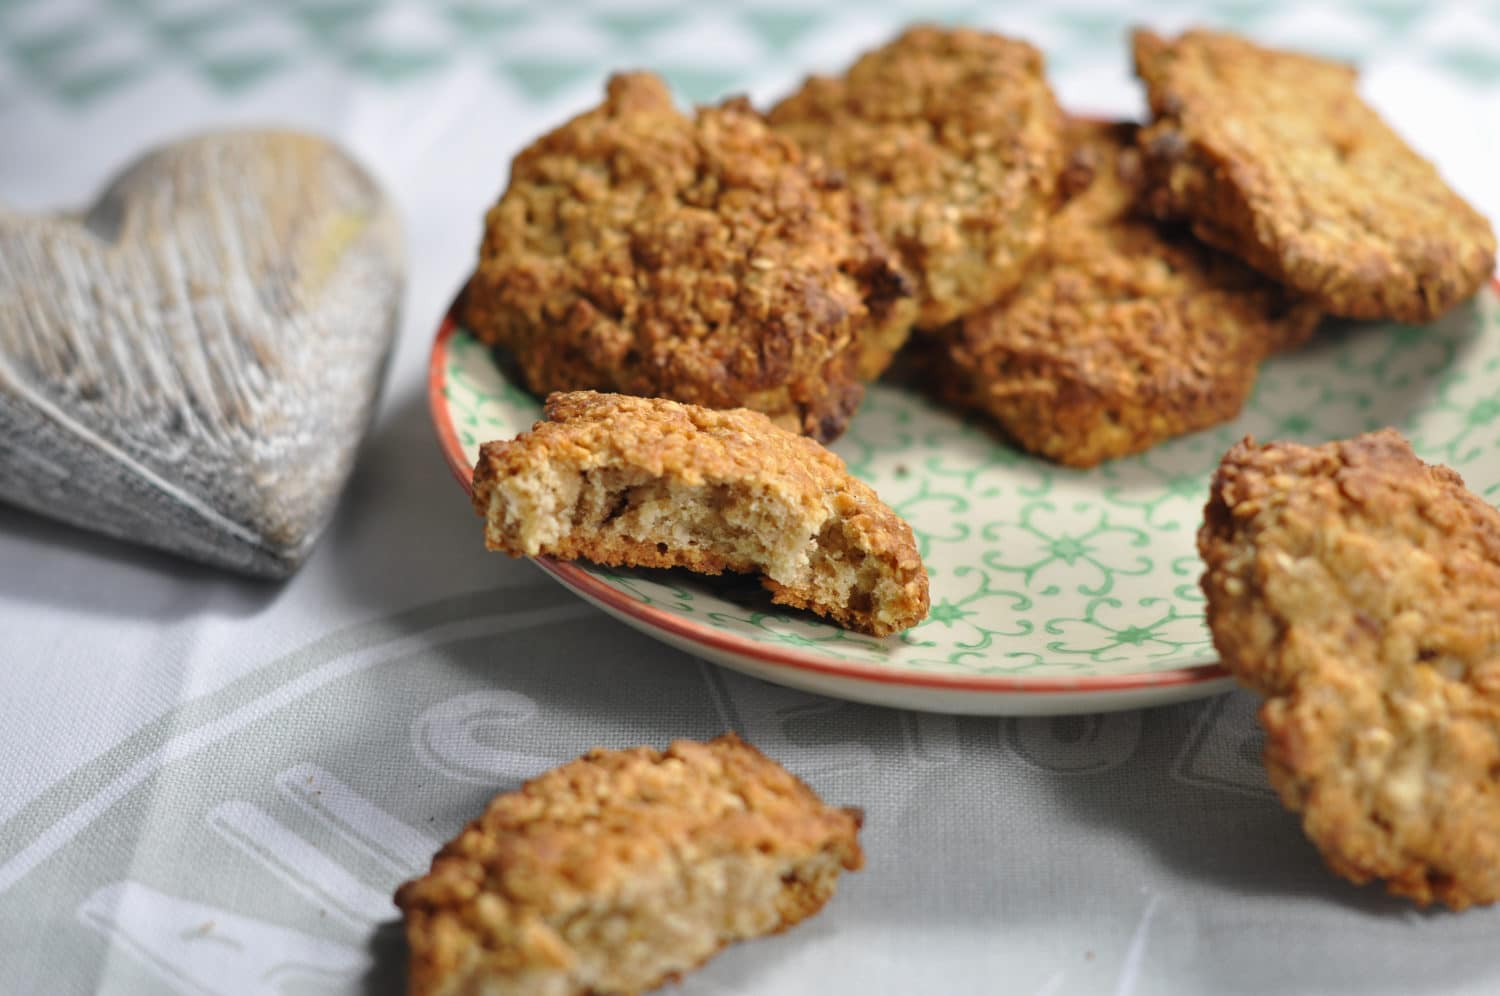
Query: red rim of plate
x,y
580,580
577,578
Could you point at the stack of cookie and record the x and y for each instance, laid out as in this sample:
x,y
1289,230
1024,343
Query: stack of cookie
x,y
1093,288
1263,194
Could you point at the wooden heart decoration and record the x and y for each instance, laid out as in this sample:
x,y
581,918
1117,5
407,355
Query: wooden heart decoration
x,y
191,364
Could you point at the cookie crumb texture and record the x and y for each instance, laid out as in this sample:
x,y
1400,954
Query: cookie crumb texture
x,y
623,869
1274,157
648,482
954,140
1358,589
703,258
1124,332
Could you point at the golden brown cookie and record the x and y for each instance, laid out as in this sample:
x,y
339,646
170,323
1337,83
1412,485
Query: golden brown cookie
x,y
1274,157
954,140
1122,333
640,250
649,482
621,870
1358,589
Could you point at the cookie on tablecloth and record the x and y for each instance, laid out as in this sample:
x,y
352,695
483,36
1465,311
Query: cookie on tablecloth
x,y
623,869
1358,589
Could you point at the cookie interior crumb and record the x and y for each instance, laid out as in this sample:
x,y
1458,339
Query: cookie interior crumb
x,y
651,483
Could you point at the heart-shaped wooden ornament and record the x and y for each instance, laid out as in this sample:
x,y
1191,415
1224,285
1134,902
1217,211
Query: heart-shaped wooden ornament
x,y
191,364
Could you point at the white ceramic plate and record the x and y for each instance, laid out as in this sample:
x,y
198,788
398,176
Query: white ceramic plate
x,y
1053,590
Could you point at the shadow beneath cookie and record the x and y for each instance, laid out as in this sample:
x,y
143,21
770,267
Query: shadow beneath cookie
x,y
1204,809
1178,788
969,437
1092,828
404,530
388,961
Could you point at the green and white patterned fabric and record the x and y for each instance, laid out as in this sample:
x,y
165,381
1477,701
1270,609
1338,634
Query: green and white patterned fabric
x,y
210,785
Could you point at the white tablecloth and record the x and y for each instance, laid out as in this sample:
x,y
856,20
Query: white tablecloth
x,y
211,785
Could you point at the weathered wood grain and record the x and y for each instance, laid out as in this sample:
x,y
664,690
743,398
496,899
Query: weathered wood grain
x,y
191,363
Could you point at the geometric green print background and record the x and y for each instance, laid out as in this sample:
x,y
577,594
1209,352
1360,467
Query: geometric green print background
x,y
78,53
1045,571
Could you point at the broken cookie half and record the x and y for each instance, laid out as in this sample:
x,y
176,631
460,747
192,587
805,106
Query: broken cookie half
x,y
648,482
623,869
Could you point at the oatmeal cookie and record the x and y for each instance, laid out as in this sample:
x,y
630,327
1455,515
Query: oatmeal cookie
x,y
649,482
623,869
954,140
704,258
1122,333
1274,157
1358,589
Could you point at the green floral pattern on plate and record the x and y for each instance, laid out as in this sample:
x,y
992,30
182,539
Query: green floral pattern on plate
x,y
1044,571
